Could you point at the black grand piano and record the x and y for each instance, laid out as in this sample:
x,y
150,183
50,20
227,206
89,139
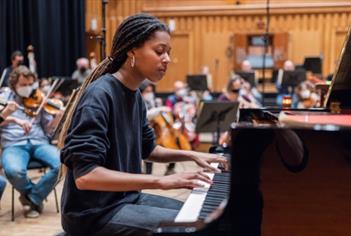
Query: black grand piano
x,y
289,176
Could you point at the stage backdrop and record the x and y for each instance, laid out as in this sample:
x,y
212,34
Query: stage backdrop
x,y
56,29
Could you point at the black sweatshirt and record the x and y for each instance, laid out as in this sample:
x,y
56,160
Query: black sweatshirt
x,y
109,129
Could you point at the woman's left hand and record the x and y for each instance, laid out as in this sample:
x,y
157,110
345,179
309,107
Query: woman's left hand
x,y
204,160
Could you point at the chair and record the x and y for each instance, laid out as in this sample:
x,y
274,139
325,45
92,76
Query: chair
x,y
33,165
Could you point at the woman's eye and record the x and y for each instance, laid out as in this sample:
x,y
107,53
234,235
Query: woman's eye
x,y
159,52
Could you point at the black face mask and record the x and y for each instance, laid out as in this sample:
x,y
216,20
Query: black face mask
x,y
19,63
82,70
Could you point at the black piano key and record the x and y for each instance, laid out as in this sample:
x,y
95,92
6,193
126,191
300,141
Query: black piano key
x,y
217,192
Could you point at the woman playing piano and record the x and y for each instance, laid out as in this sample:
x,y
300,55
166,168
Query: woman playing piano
x,y
106,135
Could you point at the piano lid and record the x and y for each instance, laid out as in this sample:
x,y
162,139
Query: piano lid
x,y
340,89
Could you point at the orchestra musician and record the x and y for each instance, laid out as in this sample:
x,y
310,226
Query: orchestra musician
x,y
284,91
106,135
16,60
82,71
25,138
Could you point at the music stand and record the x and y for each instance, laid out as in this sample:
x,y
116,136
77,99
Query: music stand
x,y
67,85
293,78
197,82
248,76
313,64
216,116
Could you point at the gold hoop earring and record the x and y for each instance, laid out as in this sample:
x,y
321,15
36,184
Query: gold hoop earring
x,y
132,62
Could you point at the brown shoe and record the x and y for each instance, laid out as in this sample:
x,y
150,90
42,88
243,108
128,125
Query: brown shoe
x,y
29,205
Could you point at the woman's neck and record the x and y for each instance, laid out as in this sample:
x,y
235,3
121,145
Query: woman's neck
x,y
129,78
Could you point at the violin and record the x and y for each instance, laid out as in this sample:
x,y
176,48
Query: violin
x,y
32,104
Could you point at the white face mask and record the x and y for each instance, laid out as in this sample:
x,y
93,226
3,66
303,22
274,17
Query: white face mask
x,y
181,93
24,91
149,97
305,94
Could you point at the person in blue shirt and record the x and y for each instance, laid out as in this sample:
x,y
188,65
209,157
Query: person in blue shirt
x,y
25,138
106,135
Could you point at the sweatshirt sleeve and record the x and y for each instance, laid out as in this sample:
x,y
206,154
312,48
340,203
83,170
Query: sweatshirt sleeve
x,y
148,139
87,140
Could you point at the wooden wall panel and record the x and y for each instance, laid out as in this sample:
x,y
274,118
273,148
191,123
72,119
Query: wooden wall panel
x,y
311,45
215,57
314,27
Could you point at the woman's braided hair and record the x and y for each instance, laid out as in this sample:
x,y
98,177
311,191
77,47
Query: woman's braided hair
x,y
132,33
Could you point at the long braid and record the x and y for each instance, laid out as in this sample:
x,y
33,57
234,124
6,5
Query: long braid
x,y
132,33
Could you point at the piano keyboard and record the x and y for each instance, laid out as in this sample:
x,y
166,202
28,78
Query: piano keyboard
x,y
203,200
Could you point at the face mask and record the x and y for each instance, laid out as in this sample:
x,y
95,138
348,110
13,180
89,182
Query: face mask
x,y
305,94
19,62
24,91
149,97
236,91
82,70
181,93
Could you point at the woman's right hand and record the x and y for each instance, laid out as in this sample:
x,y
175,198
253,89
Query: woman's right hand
x,y
26,125
187,180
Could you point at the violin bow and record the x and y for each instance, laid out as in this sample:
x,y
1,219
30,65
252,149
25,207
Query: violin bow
x,y
44,101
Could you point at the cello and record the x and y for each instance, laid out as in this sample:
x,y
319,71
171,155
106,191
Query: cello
x,y
167,135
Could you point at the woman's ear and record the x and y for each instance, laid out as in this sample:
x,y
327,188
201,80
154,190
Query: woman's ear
x,y
131,53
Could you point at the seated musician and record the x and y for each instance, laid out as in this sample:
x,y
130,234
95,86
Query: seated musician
x,y
307,95
180,92
153,105
236,91
23,139
5,112
108,135
16,60
282,90
82,71
246,67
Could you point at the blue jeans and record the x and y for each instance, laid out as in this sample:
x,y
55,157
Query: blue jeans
x,y
15,160
2,185
142,217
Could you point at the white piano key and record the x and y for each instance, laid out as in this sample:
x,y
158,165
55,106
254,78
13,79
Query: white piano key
x,y
192,206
